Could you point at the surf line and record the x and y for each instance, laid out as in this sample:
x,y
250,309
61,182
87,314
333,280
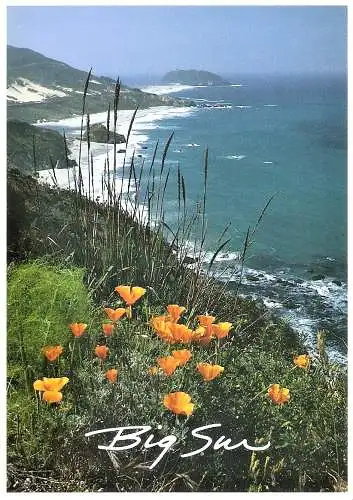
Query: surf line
x,y
132,439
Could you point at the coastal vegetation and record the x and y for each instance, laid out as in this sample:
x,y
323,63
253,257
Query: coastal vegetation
x,y
30,148
43,89
117,325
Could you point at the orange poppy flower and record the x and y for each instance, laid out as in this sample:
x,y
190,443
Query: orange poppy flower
x,y
78,329
51,388
159,322
206,320
208,371
198,333
111,375
221,330
52,396
179,403
153,370
50,384
130,294
168,364
202,335
102,352
175,311
302,361
182,356
162,327
114,314
181,333
279,395
107,329
52,352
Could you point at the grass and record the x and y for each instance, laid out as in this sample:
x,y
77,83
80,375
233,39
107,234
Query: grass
x,y
117,243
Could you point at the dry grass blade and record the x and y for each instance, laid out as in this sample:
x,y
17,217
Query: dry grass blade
x,y
214,256
165,152
84,97
67,160
130,125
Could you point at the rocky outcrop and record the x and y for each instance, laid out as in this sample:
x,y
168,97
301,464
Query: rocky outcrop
x,y
194,77
99,133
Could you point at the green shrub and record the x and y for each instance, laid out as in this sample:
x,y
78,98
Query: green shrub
x,y
42,301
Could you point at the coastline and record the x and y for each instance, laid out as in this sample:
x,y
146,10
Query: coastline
x,y
146,119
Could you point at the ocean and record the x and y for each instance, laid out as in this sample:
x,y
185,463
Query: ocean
x,y
284,137
280,137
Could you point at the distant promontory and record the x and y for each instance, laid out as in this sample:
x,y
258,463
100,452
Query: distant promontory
x,y
194,77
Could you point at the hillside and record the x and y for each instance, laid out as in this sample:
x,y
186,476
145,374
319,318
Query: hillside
x,y
40,88
28,146
194,77
80,242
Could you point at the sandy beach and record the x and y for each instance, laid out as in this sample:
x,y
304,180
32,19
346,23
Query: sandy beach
x,y
145,120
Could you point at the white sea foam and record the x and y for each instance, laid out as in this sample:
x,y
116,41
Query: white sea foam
x,y
192,250
260,275
221,257
323,293
307,327
165,89
220,106
299,319
268,162
234,157
333,294
271,304
144,119
271,105
242,106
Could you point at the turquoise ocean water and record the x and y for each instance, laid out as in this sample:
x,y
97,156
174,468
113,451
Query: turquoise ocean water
x,y
281,136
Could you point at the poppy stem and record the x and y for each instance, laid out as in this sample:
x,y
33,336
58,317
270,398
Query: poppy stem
x,y
79,353
37,402
258,394
72,357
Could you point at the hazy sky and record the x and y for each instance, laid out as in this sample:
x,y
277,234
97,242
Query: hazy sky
x,y
228,40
